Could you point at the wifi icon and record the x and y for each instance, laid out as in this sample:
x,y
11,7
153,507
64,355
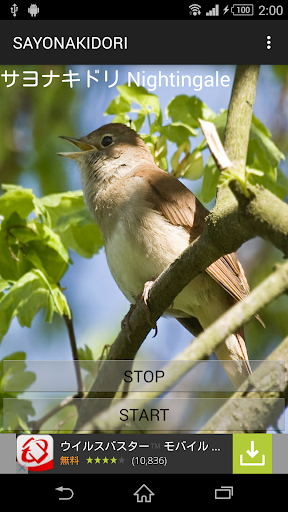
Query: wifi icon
x,y
195,9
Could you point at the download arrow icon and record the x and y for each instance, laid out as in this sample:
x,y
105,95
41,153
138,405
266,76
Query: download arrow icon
x,y
252,452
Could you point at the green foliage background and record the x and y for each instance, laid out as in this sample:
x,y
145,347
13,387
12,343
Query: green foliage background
x,y
40,232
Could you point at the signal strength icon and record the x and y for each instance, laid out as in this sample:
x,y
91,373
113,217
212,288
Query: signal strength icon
x,y
214,11
195,9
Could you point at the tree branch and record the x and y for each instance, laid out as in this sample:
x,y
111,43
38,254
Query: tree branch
x,y
231,223
70,328
265,213
165,288
243,417
201,347
240,114
35,426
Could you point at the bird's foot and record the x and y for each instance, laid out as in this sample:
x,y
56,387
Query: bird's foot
x,y
125,322
145,297
142,296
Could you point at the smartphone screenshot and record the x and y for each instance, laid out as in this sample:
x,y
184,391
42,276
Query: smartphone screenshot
x,y
143,253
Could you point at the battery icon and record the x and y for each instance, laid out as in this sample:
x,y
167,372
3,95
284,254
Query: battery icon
x,y
242,9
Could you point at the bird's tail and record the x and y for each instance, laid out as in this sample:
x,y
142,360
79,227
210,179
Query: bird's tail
x,y
232,352
234,358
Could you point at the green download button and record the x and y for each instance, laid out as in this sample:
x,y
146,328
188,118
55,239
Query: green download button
x,y
252,453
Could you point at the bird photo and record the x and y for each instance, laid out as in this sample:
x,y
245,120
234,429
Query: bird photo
x,y
112,180
147,218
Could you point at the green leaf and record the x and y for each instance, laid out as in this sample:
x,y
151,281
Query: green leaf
x,y
281,72
263,156
12,220
16,412
15,376
263,137
13,237
122,118
187,110
20,355
51,239
137,123
80,232
260,126
70,219
177,132
3,284
160,152
256,172
260,163
191,166
8,264
57,205
60,302
86,359
220,123
88,363
133,94
279,186
48,253
23,234
16,199
257,158
25,298
228,175
118,106
210,180
5,371
183,148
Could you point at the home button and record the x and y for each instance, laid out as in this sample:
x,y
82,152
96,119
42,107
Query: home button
x,y
143,494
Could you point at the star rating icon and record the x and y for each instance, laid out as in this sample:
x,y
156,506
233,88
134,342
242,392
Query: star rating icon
x,y
104,461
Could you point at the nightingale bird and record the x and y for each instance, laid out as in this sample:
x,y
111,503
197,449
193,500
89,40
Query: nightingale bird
x,y
147,218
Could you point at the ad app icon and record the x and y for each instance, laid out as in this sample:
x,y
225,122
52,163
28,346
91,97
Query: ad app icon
x,y
35,452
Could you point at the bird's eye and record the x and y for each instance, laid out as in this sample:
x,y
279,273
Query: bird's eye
x,y
106,141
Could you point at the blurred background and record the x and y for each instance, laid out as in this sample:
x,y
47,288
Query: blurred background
x,y
31,120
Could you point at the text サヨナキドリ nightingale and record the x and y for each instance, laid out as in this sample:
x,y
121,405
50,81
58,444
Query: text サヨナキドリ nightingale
x,y
147,218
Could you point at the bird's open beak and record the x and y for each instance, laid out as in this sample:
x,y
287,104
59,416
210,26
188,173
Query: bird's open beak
x,y
84,146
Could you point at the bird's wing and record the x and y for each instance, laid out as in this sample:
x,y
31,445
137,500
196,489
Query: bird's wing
x,y
228,272
181,208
